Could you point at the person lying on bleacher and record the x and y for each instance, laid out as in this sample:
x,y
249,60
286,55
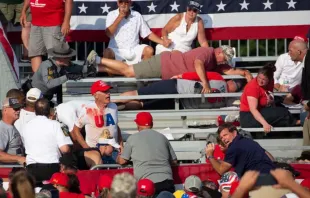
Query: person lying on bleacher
x,y
257,103
188,83
124,26
169,64
288,73
183,29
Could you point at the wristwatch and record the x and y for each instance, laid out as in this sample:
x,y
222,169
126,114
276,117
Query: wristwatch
x,y
210,157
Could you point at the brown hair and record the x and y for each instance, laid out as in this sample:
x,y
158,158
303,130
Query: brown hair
x,y
22,185
268,70
231,128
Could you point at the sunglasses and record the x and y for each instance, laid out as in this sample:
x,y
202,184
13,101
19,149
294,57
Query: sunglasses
x,y
192,9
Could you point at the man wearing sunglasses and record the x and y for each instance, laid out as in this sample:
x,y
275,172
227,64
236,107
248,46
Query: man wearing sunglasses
x,y
183,29
11,148
123,27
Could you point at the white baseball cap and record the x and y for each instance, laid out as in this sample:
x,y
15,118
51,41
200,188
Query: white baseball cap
x,y
33,95
110,141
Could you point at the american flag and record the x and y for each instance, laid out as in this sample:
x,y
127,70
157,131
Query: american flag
x,y
223,19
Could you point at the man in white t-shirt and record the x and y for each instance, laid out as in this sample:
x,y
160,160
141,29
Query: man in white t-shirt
x,y
124,26
44,142
96,116
288,73
28,113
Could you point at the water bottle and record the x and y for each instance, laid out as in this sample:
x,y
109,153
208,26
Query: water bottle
x,y
286,82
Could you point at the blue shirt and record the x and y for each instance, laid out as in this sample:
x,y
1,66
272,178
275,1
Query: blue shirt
x,y
245,154
110,159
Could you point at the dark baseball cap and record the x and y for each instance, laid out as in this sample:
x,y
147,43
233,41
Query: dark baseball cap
x,y
11,102
194,4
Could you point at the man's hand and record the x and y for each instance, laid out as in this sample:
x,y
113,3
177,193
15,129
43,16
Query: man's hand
x,y
267,127
167,42
65,28
23,19
283,177
248,76
248,181
205,88
209,150
21,160
177,76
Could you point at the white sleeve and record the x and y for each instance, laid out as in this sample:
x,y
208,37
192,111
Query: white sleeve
x,y
144,28
81,120
60,136
279,67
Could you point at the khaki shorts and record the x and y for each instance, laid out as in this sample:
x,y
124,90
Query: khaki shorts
x,y
150,68
12,13
43,38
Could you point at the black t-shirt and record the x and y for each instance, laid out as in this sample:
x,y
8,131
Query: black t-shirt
x,y
245,154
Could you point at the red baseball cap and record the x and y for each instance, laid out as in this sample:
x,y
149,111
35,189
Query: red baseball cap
x,y
145,187
144,119
99,86
302,38
105,181
306,183
59,179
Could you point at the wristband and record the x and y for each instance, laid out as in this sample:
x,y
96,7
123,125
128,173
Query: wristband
x,y
210,157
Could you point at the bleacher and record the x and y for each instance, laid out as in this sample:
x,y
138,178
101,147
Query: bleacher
x,y
187,128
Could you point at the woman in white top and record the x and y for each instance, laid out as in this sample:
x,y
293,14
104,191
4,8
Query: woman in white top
x,y
182,29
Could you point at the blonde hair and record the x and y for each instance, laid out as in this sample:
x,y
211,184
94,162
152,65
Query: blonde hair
x,y
22,185
123,186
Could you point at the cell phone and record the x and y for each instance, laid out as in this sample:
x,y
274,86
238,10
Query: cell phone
x,y
265,180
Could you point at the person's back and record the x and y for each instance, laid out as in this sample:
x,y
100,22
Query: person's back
x,y
248,155
151,155
42,140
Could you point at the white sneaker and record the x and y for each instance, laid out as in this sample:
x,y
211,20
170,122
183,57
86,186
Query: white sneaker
x,y
91,58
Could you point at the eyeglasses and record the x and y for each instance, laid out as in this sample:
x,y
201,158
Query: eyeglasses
x,y
192,9
123,1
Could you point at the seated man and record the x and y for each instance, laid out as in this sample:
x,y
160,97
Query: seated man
x,y
124,26
243,154
11,147
182,30
169,64
188,83
55,71
288,72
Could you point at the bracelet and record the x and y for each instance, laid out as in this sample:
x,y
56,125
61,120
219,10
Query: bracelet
x,y
210,157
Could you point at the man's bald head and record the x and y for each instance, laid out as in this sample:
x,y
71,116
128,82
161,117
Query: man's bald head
x,y
297,50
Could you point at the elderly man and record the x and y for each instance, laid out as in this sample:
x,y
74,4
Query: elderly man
x,y
44,143
288,73
151,154
50,23
11,148
28,113
182,30
56,71
242,154
169,64
124,27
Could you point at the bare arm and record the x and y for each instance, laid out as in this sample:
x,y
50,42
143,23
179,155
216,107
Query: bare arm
x,y
121,160
220,167
64,149
77,137
200,70
68,10
253,102
241,72
201,34
110,31
171,25
153,37
8,158
23,17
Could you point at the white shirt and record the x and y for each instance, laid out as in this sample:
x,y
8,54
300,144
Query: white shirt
x,y
24,118
286,68
42,138
68,112
87,119
128,31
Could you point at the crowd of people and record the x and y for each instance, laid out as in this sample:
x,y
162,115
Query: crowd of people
x,y
55,143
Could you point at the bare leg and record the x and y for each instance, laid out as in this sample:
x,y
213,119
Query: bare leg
x,y
36,62
127,93
26,34
147,53
108,53
116,67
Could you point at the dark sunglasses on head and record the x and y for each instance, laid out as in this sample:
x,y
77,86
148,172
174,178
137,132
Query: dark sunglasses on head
x,y
123,1
192,9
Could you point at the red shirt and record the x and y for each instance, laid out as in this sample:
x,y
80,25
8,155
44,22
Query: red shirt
x,y
47,12
70,195
175,63
256,91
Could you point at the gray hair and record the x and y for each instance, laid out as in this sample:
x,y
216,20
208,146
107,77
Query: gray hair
x,y
123,186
